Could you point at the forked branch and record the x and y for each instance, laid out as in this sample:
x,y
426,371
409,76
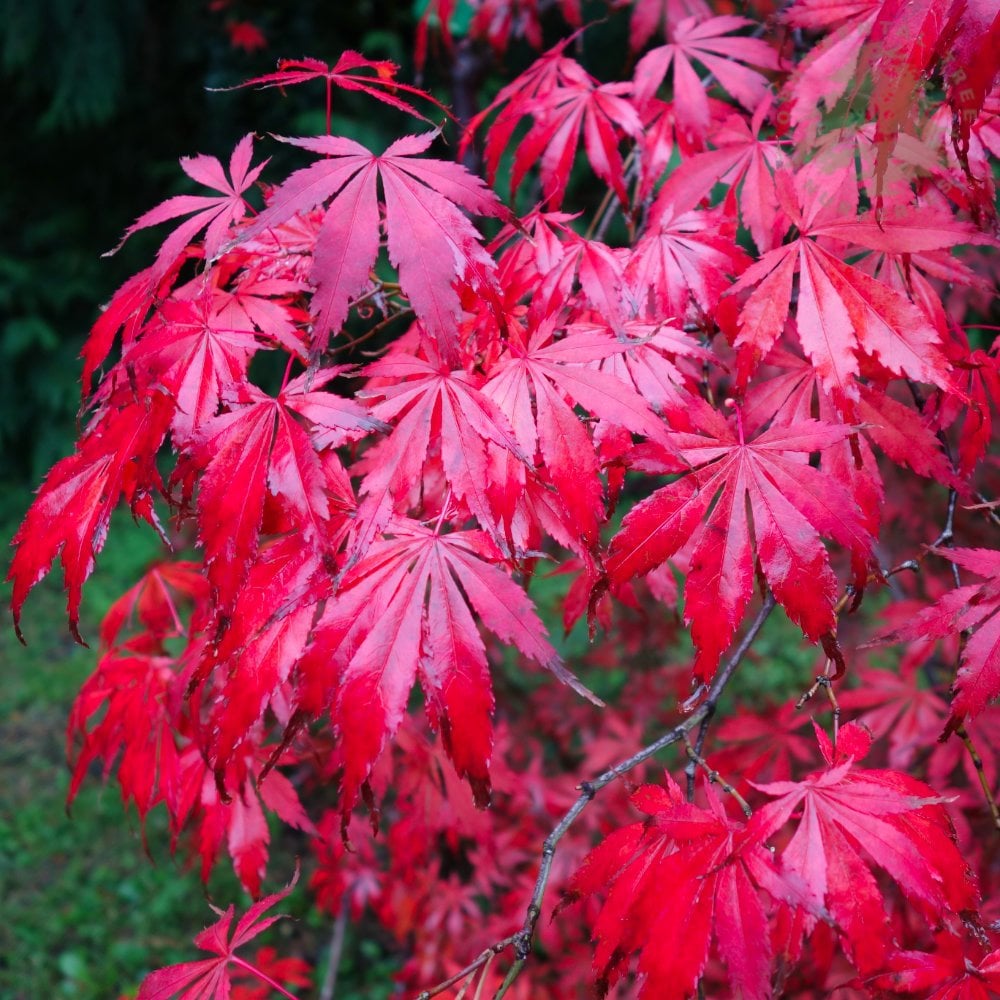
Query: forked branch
x,y
523,940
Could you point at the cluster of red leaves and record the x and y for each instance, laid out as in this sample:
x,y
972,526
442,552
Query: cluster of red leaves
x,y
779,327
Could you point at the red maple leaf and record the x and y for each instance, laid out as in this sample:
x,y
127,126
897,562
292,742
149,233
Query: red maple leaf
x,y
706,41
187,348
685,877
430,240
897,821
267,967
154,601
436,411
544,371
791,504
948,973
123,709
219,214
258,449
972,607
603,114
115,460
741,158
404,612
652,16
209,979
841,310
349,72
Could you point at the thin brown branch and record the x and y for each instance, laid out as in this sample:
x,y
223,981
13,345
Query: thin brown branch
x,y
977,763
713,776
472,967
373,331
605,211
825,682
524,939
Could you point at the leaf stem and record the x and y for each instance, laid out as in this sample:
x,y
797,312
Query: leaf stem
x,y
262,976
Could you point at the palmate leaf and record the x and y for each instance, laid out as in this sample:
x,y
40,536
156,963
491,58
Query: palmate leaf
x,y
115,460
404,612
209,979
727,57
847,815
974,608
436,411
258,449
544,371
843,313
216,214
791,504
351,71
676,883
430,240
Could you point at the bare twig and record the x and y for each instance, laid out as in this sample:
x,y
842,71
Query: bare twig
x,y
523,940
713,776
977,763
486,957
825,682
606,210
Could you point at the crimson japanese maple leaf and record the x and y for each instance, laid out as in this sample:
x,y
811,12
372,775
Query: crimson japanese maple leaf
x,y
897,821
121,717
550,71
594,266
898,706
229,809
905,38
531,384
265,636
769,508
727,58
256,302
154,602
115,460
187,348
741,159
209,979
652,16
267,967
403,612
827,70
495,21
430,240
948,973
684,262
897,430
349,72
675,883
603,114
217,215
259,448
841,310
435,410
771,745
660,361
972,607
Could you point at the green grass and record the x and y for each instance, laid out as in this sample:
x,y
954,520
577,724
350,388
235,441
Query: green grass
x,y
88,910
86,913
